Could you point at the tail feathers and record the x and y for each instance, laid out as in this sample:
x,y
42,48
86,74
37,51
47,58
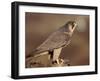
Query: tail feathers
x,y
37,53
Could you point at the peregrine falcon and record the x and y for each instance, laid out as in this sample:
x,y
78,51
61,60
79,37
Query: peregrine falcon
x,y
55,42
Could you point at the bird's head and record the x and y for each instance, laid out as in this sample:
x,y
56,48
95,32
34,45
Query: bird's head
x,y
71,25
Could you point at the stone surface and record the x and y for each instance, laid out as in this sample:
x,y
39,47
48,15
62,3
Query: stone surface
x,y
44,61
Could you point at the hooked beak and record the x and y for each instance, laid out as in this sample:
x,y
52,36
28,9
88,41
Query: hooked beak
x,y
74,26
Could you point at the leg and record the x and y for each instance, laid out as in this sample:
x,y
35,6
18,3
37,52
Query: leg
x,y
56,55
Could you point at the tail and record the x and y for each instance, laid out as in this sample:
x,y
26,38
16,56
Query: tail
x,y
37,53
40,54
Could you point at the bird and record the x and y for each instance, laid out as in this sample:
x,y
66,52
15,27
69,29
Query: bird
x,y
54,43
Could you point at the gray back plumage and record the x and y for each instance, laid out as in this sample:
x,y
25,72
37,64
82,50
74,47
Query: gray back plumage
x,y
56,40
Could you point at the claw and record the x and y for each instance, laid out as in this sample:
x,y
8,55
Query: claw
x,y
61,61
58,61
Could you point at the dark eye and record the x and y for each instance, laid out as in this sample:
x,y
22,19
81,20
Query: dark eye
x,y
72,25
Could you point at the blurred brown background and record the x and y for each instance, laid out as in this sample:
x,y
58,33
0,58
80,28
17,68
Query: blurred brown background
x,y
40,25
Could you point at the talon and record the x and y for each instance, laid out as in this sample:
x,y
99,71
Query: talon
x,y
54,62
61,60
58,61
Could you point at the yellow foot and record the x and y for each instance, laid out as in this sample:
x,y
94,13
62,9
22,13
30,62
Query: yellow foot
x,y
61,61
58,61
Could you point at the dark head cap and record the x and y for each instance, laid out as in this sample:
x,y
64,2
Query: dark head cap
x,y
70,26
72,23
